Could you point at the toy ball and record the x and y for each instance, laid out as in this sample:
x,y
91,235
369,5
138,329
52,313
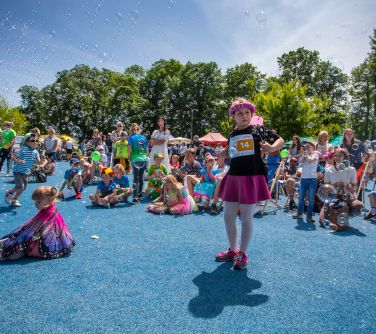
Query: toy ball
x,y
96,156
284,154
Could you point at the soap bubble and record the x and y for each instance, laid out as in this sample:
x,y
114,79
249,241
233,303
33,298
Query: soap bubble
x,y
261,18
153,83
261,85
326,192
355,146
232,151
171,3
310,125
133,15
52,34
139,164
297,186
343,218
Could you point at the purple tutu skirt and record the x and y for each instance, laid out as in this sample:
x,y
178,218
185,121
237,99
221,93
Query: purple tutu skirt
x,y
45,235
247,189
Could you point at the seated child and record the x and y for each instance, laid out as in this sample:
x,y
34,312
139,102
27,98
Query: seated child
x,y
121,152
43,163
50,166
155,174
204,190
174,163
122,181
44,236
73,179
174,199
106,190
86,172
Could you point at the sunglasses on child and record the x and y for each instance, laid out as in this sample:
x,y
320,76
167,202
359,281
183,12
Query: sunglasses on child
x,y
33,141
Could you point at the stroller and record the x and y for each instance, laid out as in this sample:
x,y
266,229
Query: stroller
x,y
37,175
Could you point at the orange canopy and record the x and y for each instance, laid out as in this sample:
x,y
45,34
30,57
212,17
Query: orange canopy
x,y
214,138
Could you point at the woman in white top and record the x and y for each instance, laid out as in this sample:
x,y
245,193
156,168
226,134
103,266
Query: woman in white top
x,y
159,140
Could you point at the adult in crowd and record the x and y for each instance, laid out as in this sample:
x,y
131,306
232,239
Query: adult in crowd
x,y
137,153
8,139
296,148
116,134
51,143
96,140
223,169
196,142
159,142
190,171
354,147
182,148
323,146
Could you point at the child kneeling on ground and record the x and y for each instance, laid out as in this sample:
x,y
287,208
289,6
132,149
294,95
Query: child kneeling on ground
x,y
174,199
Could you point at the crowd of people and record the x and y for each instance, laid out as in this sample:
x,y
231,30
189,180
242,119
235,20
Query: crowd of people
x,y
179,179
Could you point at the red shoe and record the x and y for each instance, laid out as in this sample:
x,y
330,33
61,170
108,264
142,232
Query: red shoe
x,y
229,255
79,195
240,261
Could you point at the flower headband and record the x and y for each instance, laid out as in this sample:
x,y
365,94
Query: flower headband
x,y
241,105
107,171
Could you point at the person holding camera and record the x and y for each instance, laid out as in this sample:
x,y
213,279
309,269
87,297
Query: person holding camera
x,y
308,180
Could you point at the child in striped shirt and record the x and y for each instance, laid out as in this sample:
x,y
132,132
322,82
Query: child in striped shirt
x,y
24,159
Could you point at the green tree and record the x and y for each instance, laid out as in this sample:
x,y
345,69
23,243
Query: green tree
x,y
14,115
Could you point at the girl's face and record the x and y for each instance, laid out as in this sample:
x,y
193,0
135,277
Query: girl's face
x,y
174,160
349,136
209,163
160,123
242,118
43,203
338,157
106,178
158,161
309,148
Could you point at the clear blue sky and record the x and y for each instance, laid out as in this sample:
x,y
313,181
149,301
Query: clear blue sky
x,y
39,38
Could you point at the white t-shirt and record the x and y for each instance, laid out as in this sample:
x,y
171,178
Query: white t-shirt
x,y
347,176
103,158
69,145
323,148
309,168
50,142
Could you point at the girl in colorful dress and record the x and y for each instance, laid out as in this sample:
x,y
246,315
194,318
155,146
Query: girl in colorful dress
x,y
204,190
44,236
156,172
244,185
174,199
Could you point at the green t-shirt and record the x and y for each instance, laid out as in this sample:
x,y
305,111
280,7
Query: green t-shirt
x,y
6,138
121,149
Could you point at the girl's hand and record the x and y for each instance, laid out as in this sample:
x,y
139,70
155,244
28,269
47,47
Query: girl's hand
x,y
266,147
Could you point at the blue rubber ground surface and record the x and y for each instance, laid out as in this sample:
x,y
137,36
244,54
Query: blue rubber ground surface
x,y
155,274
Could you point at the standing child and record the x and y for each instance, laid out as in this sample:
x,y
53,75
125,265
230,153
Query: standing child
x,y
120,152
24,159
106,190
308,180
44,236
244,185
122,181
156,172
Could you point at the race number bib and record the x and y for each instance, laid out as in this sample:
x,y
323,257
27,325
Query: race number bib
x,y
242,145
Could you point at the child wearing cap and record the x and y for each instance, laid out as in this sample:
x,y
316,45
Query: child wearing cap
x,y
120,152
308,181
73,179
204,190
155,174
106,190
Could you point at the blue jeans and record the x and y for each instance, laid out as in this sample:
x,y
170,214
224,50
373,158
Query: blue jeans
x,y
307,186
272,163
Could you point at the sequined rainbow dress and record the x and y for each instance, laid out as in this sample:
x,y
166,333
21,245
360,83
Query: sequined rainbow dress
x,y
45,236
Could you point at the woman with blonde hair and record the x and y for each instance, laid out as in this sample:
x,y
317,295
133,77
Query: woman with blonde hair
x,y
323,146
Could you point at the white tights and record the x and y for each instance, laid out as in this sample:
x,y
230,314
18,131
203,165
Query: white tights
x,y
230,214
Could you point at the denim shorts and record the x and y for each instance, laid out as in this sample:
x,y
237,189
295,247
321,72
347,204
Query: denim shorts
x,y
20,179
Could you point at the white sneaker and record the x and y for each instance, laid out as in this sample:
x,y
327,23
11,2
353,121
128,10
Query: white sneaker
x,y
16,203
8,197
7,174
